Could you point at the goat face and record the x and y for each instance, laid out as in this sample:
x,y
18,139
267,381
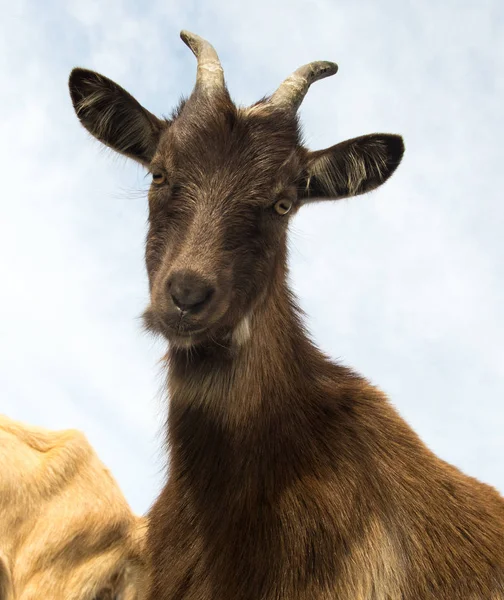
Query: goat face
x,y
225,183
224,187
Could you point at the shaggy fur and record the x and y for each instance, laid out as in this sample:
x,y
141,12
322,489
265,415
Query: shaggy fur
x,y
290,476
66,531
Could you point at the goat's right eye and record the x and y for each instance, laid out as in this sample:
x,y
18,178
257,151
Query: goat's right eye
x,y
158,178
283,206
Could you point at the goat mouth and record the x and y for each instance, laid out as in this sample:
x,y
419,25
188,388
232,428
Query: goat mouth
x,y
181,333
181,330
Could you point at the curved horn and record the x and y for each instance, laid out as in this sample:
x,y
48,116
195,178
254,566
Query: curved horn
x,y
210,73
291,92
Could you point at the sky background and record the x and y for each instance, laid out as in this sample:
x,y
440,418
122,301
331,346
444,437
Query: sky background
x,y
406,284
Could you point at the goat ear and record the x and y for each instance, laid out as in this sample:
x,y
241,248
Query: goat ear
x,y
113,116
353,167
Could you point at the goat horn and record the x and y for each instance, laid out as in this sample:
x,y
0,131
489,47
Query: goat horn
x,y
210,73
291,92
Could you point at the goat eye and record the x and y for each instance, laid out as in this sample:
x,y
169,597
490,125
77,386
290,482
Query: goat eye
x,y
282,207
158,178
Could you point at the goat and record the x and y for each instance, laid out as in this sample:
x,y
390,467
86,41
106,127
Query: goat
x,y
290,476
66,531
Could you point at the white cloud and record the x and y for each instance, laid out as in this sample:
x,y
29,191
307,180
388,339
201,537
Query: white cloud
x,y
405,285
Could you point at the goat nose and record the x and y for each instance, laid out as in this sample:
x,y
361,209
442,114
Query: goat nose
x,y
189,291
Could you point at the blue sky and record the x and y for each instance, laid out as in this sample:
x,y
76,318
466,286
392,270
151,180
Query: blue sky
x,y
406,284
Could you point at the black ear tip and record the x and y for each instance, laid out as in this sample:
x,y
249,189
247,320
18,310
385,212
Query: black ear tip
x,y
76,83
73,86
80,78
396,145
76,71
76,75
82,82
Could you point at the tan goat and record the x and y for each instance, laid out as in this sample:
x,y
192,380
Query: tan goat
x,y
66,530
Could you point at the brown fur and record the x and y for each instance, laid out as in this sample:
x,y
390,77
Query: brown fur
x,y
290,476
66,531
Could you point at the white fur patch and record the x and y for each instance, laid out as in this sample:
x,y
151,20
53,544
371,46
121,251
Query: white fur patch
x,y
243,331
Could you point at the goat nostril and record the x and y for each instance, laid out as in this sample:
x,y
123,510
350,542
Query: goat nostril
x,y
189,291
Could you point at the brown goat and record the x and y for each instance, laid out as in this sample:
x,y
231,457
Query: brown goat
x,y
290,476
66,530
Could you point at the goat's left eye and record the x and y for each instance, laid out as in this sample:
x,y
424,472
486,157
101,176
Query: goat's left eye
x,y
158,178
282,207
